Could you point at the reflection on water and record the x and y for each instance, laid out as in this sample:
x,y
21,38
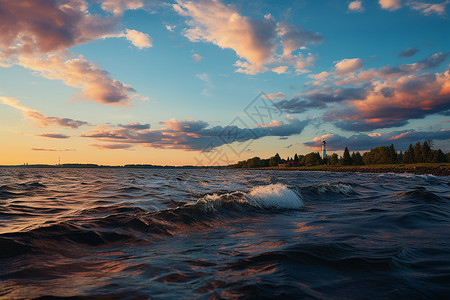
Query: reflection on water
x,y
139,233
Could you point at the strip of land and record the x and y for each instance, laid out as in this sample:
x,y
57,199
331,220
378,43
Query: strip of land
x,y
437,169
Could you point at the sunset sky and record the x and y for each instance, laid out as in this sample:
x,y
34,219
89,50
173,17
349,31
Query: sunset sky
x,y
213,82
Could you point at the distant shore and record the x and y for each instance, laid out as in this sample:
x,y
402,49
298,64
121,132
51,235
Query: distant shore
x,y
438,169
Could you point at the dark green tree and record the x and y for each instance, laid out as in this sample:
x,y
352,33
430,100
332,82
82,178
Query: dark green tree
x,y
312,159
333,159
357,159
408,157
427,155
400,157
439,156
418,158
346,159
295,157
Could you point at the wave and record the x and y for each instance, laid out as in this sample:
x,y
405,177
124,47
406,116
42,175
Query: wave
x,y
335,188
272,196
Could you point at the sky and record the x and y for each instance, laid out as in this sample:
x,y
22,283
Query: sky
x,y
213,82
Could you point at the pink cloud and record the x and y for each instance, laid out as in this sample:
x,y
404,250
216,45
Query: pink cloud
x,y
429,8
36,34
279,95
197,58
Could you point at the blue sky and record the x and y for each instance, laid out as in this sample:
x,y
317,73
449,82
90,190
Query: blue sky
x,y
133,81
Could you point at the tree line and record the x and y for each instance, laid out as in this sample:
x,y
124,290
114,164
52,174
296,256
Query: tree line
x,y
419,153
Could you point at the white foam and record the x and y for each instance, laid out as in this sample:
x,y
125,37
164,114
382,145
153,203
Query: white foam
x,y
277,196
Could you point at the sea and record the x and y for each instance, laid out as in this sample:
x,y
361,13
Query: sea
x,y
124,233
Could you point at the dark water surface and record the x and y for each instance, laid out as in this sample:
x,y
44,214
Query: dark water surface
x,y
183,234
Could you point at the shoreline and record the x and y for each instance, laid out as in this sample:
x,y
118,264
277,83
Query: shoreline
x,y
417,169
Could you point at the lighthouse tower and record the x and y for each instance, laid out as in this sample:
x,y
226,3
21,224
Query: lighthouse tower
x,y
324,149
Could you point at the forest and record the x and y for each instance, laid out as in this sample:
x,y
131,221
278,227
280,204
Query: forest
x,y
418,153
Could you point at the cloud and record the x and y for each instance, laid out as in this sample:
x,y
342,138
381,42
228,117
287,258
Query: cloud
x,y
393,103
254,41
423,7
203,77
363,142
36,34
139,39
280,69
192,135
347,66
321,98
39,117
355,6
54,135
410,52
294,37
95,83
222,25
135,126
321,76
41,26
430,8
111,146
197,58
279,95
117,7
51,150
390,4
429,62
170,27
377,98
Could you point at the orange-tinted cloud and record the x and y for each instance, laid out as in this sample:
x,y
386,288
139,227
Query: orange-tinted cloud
x,y
95,83
390,4
254,40
355,6
347,66
40,118
393,103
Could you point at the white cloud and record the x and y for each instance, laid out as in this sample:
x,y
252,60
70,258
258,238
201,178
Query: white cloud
x,y
280,69
348,65
139,39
